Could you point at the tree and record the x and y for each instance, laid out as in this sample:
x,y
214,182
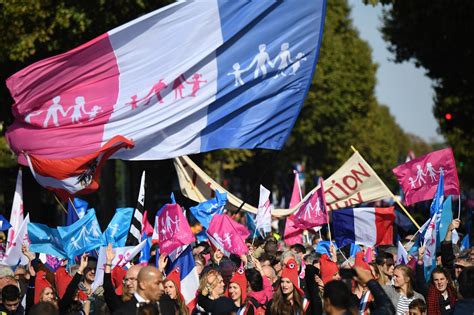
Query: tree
x,y
436,36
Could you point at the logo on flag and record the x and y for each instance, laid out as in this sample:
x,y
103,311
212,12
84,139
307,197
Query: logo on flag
x,y
224,234
313,211
173,229
420,177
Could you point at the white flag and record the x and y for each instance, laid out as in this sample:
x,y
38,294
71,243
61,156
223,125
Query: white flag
x,y
16,217
14,254
402,255
123,255
264,215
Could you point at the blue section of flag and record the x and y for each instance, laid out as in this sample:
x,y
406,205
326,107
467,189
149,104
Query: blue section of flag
x,y
354,249
264,71
343,226
204,211
251,226
185,263
44,239
173,200
403,221
323,247
117,230
202,236
465,243
446,219
4,224
145,253
82,236
74,214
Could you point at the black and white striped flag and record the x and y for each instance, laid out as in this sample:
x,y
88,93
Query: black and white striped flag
x,y
135,233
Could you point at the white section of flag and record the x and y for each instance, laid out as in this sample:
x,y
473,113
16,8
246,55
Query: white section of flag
x,y
365,229
16,217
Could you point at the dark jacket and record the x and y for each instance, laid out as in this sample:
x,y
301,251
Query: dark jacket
x,y
383,304
114,301
222,305
465,306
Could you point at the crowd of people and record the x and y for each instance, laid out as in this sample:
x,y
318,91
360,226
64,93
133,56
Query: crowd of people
x,y
273,278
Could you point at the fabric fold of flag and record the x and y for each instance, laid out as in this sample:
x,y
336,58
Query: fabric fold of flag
x,y
191,77
366,226
46,240
79,175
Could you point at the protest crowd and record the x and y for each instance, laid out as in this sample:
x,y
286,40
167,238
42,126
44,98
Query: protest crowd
x,y
198,76
207,260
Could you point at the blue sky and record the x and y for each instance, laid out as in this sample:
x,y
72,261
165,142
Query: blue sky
x,y
402,87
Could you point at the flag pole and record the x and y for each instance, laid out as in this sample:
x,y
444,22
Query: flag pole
x,y
459,207
62,207
391,194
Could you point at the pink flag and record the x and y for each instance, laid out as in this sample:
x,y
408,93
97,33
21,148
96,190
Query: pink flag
x,y
173,229
293,234
419,177
313,212
224,234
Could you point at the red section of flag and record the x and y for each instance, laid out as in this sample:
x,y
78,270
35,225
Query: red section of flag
x,y
384,221
79,175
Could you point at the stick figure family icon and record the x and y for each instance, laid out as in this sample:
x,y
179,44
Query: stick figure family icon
x,y
262,59
56,109
420,180
159,88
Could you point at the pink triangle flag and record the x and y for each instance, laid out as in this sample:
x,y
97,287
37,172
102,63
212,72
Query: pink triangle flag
x,y
313,212
173,229
224,234
292,234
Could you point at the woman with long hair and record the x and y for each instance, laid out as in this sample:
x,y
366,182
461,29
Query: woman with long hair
x,y
442,294
48,295
401,293
172,288
211,297
288,299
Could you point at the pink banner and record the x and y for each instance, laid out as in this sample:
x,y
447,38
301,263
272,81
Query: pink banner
x,y
173,229
292,234
224,233
419,177
313,212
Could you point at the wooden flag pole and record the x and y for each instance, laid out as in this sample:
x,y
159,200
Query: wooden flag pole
x,y
62,207
459,207
391,194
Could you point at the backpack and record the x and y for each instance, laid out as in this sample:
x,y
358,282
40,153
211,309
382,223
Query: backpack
x,y
258,309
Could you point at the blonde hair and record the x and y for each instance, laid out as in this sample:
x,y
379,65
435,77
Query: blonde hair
x,y
407,273
204,286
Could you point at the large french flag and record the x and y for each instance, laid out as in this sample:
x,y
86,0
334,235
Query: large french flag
x,y
191,77
188,275
366,226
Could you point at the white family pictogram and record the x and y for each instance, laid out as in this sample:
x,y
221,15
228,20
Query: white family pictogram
x,y
169,227
262,60
56,111
421,180
86,235
226,239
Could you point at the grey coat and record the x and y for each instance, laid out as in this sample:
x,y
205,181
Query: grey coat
x,y
393,295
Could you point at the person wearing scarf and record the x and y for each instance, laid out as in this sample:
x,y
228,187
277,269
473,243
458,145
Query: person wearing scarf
x,y
442,295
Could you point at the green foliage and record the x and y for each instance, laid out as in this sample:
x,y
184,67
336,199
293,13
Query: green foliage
x,y
436,35
7,158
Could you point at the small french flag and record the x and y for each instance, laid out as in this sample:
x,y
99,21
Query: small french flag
x,y
366,226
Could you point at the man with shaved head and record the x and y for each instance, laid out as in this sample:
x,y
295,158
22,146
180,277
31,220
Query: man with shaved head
x,y
148,291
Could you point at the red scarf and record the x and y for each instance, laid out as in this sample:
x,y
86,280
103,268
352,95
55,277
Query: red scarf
x,y
434,297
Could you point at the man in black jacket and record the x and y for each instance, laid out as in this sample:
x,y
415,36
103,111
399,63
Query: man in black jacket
x,y
148,291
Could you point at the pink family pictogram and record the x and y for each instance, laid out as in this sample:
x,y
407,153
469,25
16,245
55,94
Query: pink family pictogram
x,y
158,89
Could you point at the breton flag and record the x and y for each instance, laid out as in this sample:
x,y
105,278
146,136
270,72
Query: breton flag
x,y
420,177
191,77
366,226
134,236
